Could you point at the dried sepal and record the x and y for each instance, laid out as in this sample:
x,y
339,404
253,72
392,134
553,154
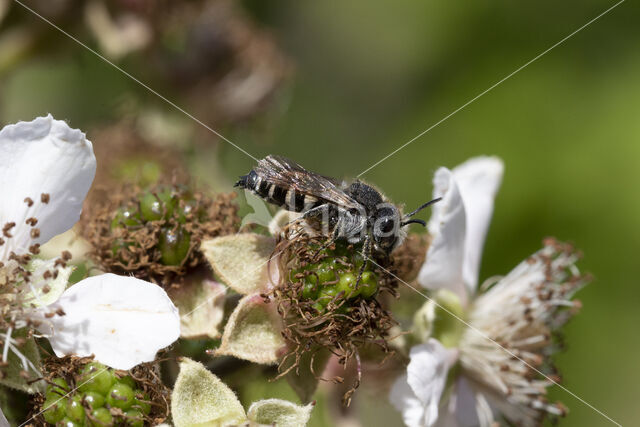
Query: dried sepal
x,y
200,398
306,375
253,332
201,306
281,413
241,260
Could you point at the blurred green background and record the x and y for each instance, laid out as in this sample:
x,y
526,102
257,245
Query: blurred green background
x,y
367,76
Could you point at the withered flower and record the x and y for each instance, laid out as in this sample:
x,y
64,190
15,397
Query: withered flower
x,y
155,234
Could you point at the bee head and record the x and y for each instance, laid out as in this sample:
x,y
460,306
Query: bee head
x,y
386,227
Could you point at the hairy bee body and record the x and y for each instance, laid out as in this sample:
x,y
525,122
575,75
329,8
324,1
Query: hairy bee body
x,y
277,194
356,212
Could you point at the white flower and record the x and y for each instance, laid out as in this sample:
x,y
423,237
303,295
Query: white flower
x,y
485,362
46,169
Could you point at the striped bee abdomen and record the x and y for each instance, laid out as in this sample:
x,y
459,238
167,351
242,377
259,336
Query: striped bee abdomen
x,y
278,195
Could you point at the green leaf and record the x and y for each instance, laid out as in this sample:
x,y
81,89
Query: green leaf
x,y
201,305
240,260
199,398
253,332
280,413
12,377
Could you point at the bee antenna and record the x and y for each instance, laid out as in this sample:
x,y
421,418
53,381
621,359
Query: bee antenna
x,y
422,207
414,221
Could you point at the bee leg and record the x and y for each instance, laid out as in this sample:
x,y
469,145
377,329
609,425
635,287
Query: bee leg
x,y
366,253
333,238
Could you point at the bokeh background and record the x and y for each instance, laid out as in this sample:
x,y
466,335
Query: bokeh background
x,y
339,85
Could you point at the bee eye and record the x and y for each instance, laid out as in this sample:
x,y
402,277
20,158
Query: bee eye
x,y
386,226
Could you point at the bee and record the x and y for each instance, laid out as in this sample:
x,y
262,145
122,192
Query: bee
x,y
355,212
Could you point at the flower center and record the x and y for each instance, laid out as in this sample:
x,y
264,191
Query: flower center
x,y
439,318
447,327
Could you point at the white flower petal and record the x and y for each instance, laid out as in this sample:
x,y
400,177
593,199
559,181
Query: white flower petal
x,y
44,156
460,410
417,394
478,180
3,420
405,401
427,374
445,257
123,321
280,219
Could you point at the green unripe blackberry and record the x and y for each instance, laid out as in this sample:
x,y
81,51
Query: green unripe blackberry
x,y
191,207
368,284
126,217
128,381
66,422
75,410
57,388
160,205
96,377
120,396
347,284
55,408
326,273
310,290
327,294
140,403
101,417
134,418
93,399
174,246
341,265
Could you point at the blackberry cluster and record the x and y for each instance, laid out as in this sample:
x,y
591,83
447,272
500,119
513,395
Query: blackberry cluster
x,y
335,278
102,398
155,233
169,205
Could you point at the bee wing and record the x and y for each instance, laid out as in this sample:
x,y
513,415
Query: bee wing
x,y
287,173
